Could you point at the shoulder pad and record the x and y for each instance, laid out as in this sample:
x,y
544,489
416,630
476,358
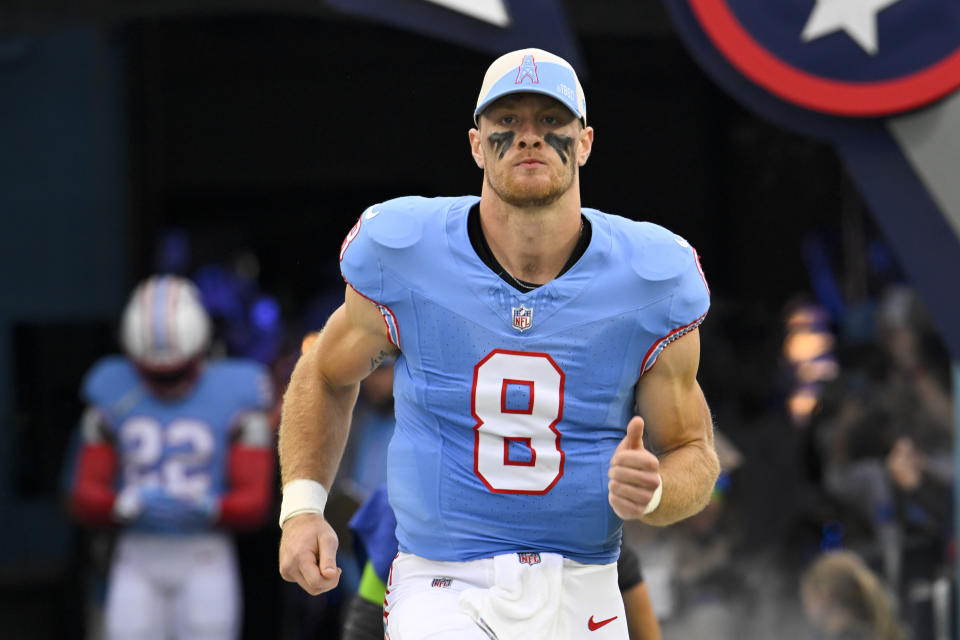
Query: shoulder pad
x,y
668,271
246,380
380,231
107,381
658,254
397,223
661,255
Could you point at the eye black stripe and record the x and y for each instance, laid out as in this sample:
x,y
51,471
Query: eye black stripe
x,y
501,141
563,145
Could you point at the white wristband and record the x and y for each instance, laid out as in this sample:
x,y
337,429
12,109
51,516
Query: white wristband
x,y
302,496
655,499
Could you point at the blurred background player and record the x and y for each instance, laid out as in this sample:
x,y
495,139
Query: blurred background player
x,y
364,466
175,449
642,623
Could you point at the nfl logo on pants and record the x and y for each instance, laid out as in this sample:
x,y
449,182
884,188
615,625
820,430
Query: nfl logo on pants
x,y
522,318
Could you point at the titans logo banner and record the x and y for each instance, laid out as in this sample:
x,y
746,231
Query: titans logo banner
x,y
877,78
846,57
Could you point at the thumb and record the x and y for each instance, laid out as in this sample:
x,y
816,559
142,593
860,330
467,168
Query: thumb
x,y
328,556
634,437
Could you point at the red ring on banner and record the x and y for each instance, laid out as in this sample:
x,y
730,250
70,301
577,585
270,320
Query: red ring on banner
x,y
814,92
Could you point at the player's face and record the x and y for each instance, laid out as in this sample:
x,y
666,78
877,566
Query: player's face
x,y
529,146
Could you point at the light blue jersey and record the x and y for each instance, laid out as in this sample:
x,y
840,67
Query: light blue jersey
x,y
509,405
179,445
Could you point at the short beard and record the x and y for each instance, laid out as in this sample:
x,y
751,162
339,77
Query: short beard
x,y
523,200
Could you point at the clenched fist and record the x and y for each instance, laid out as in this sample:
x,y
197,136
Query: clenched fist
x,y
308,553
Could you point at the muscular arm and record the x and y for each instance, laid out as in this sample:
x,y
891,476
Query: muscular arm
x,y
672,410
323,388
314,425
680,429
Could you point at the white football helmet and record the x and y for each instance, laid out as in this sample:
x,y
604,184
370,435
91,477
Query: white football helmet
x,y
165,326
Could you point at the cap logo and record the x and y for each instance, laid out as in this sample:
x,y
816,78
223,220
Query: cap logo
x,y
528,69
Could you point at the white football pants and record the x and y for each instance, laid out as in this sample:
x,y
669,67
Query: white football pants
x,y
515,596
167,586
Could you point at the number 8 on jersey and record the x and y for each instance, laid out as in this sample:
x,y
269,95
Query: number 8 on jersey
x,y
517,401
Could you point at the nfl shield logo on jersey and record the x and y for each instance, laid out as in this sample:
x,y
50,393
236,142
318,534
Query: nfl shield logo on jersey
x,y
527,557
522,318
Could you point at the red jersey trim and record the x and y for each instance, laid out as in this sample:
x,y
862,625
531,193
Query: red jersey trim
x,y
389,318
654,351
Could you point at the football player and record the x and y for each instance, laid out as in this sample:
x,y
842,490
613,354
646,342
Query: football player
x,y
176,451
545,382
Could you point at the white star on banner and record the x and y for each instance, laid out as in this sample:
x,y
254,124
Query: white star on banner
x,y
857,17
492,11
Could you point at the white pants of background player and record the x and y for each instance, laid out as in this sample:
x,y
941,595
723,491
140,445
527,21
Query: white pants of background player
x,y
509,597
167,586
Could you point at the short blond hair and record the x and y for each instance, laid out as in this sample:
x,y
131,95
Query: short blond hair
x,y
844,580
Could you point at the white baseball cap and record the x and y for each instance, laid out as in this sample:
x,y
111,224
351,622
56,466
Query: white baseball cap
x,y
532,71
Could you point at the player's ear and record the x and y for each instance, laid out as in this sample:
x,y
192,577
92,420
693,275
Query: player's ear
x,y
585,146
475,148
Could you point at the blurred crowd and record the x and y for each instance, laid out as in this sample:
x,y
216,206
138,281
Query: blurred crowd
x,y
835,426
832,517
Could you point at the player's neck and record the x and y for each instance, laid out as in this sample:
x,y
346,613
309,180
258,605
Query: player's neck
x,y
532,243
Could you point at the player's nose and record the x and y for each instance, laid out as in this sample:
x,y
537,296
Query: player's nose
x,y
529,134
529,138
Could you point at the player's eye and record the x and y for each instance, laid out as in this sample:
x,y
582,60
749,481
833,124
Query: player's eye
x,y
550,120
508,120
